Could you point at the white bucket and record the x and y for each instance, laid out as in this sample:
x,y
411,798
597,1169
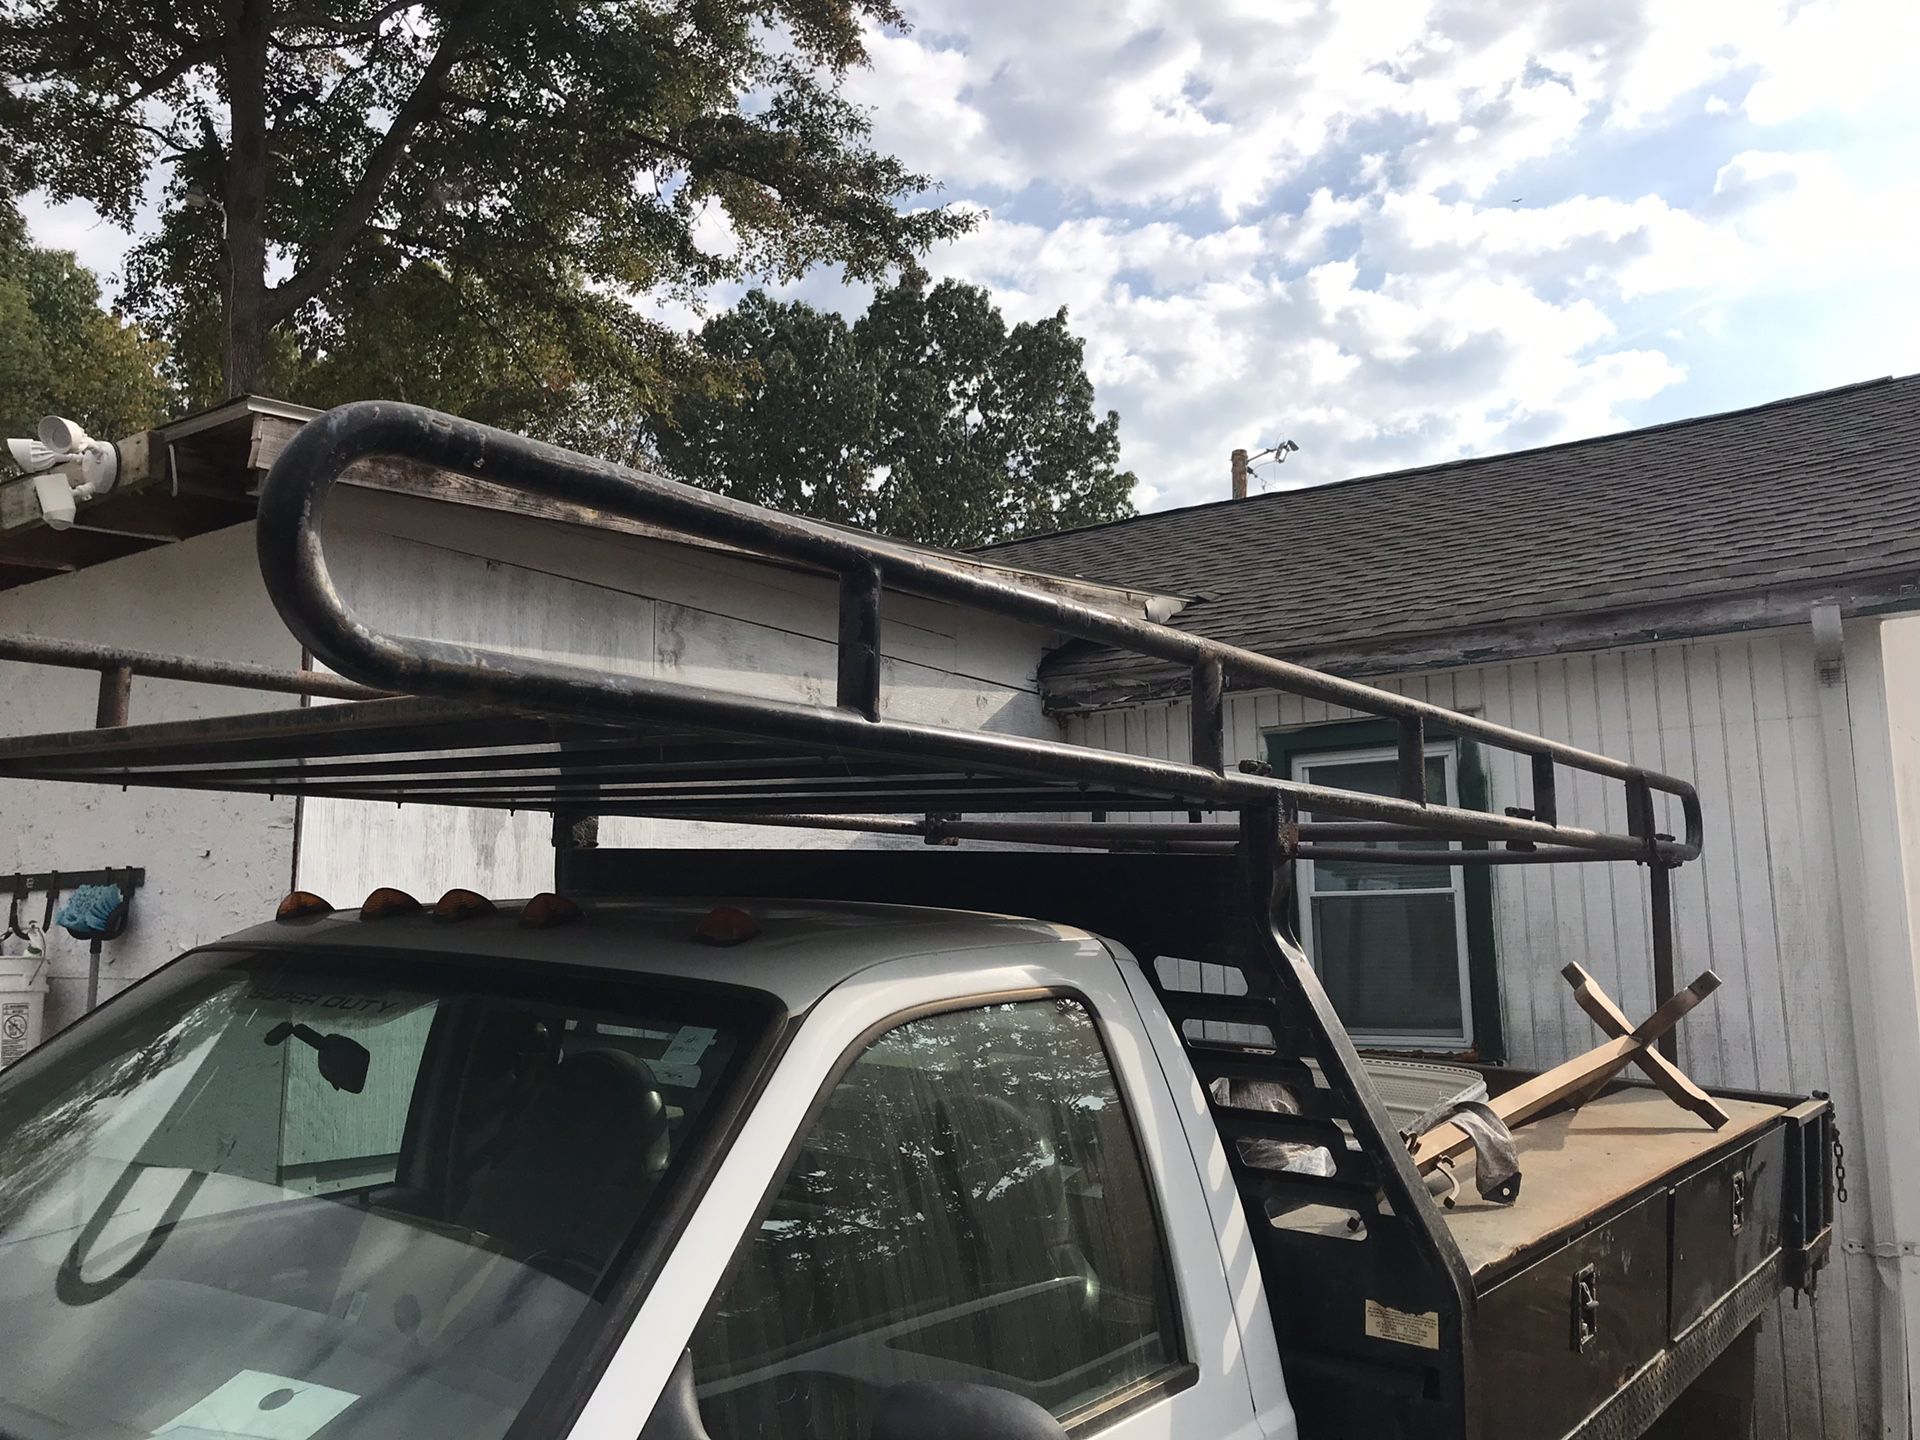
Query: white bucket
x,y
23,1004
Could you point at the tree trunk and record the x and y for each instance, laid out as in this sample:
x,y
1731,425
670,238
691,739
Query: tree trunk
x,y
246,194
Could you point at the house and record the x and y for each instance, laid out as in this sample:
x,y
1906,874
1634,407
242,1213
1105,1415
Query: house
x,y
1733,599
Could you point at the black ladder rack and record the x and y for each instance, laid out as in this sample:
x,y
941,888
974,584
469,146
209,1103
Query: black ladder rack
x,y
483,727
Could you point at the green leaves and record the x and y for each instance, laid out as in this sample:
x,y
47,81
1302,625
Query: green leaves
x,y
63,354
927,419
550,157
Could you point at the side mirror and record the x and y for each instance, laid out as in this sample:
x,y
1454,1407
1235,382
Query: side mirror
x,y
952,1410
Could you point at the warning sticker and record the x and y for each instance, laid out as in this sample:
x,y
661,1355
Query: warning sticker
x,y
1403,1327
13,1031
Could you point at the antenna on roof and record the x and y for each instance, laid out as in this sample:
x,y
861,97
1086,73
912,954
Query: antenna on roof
x,y
1243,463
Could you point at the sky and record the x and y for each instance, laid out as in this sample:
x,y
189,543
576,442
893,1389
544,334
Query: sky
x,y
1404,231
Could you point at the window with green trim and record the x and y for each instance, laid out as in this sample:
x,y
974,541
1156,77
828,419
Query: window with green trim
x,y
1405,951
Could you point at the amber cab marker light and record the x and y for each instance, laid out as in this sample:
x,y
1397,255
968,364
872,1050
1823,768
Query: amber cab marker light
x,y
726,925
302,905
546,910
386,903
462,905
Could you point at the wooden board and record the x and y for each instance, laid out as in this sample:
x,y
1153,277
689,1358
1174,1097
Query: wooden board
x,y
1573,1081
1580,1162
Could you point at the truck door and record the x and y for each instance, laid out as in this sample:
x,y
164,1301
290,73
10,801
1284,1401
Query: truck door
x,y
985,1188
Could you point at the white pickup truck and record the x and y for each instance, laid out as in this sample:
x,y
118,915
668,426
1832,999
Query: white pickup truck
x,y
727,1168
862,1145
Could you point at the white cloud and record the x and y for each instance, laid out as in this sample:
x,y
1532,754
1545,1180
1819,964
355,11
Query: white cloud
x,y
1148,102
100,245
1439,328
1300,217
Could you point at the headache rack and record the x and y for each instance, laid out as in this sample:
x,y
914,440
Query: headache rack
x,y
424,721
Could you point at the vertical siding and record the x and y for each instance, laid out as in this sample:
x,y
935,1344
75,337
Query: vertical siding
x,y
1739,716
630,606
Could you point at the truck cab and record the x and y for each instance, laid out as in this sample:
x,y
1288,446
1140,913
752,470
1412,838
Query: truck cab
x,y
355,1174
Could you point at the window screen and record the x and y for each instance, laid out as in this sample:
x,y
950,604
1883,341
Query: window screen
x,y
969,1205
1389,940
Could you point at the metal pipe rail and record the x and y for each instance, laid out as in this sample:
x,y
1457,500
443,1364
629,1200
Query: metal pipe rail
x,y
117,666
1308,840
293,504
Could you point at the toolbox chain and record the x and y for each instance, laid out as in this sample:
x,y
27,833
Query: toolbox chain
x,y
1839,1168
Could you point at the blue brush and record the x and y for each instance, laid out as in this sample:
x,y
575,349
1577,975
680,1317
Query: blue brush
x,y
88,910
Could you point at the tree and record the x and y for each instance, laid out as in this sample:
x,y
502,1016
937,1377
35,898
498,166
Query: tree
x,y
799,432
438,162
63,354
927,418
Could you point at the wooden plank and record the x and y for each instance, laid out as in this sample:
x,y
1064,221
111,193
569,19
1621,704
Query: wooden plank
x,y
18,507
14,573
75,549
1662,1071
1531,1098
270,435
1550,1087
152,513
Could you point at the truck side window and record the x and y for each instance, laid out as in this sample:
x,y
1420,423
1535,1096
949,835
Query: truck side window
x,y
969,1205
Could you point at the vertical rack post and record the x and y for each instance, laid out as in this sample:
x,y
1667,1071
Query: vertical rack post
x,y
1413,760
1209,720
1641,825
1661,890
1546,807
859,659
116,693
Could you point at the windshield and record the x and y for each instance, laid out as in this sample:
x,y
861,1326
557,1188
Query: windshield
x,y
284,1195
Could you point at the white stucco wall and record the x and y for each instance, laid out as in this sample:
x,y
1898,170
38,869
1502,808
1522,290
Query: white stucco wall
x,y
213,862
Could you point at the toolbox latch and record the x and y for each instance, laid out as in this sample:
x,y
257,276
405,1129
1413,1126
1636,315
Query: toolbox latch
x,y
1739,1190
1586,1306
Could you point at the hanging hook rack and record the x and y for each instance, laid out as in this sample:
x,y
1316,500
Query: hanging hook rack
x,y
25,882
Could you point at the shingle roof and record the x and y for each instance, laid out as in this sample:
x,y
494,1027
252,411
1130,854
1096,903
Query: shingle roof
x,y
1814,490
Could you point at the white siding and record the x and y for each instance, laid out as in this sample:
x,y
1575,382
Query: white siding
x,y
632,606
1740,717
213,862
